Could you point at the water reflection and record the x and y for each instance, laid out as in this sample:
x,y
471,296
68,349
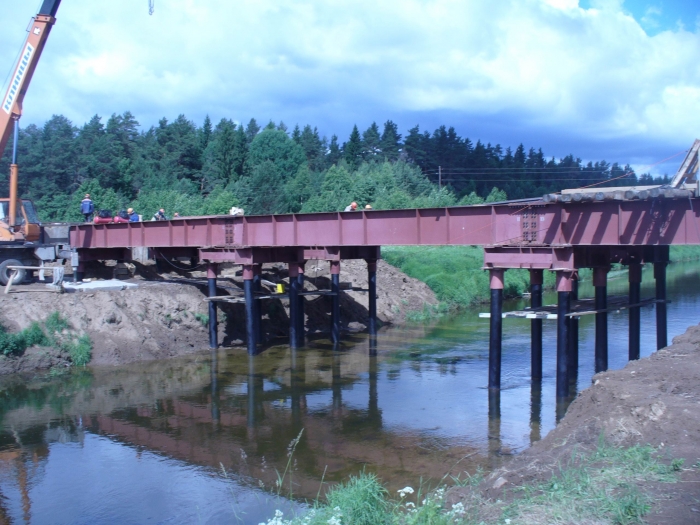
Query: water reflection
x,y
410,405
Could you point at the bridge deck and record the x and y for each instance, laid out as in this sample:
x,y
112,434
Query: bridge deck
x,y
531,234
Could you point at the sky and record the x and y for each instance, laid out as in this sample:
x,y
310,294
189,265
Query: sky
x,y
617,80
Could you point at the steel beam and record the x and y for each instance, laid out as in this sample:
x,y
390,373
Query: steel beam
x,y
335,302
609,223
257,305
660,262
293,304
600,278
212,270
536,280
572,358
251,336
635,280
301,339
496,277
563,308
372,296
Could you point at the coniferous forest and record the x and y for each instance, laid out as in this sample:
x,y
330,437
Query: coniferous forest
x,y
207,169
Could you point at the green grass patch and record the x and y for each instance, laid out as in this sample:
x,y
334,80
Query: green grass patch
x,y
455,273
603,486
684,253
202,318
53,332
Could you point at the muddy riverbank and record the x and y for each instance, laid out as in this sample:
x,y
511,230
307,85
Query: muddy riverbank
x,y
165,315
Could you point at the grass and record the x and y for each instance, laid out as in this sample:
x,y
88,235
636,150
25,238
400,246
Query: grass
x,y
455,274
202,318
53,332
602,487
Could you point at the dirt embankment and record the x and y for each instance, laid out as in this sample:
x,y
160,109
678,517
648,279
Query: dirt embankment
x,y
166,316
654,401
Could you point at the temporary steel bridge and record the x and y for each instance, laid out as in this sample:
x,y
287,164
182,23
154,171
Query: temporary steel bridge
x,y
560,233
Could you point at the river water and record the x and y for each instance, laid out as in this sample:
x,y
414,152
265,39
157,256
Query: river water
x,y
206,439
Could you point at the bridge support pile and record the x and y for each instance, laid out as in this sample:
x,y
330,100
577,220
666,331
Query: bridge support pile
x,y
565,263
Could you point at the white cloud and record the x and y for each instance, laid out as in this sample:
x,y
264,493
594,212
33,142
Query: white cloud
x,y
547,65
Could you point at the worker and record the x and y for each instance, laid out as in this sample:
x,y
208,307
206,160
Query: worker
x,y
351,207
87,208
368,207
176,215
133,216
159,215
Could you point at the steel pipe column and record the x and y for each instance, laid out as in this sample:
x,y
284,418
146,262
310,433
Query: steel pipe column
x,y
257,304
496,328
301,335
660,262
536,279
563,308
212,270
573,334
635,280
293,304
372,296
251,335
600,282
335,305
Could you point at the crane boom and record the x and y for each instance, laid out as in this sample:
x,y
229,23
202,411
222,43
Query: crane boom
x,y
11,108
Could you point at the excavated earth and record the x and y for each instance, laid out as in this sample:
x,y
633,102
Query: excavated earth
x,y
653,401
165,315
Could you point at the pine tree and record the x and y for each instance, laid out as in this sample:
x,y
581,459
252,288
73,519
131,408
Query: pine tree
x,y
352,149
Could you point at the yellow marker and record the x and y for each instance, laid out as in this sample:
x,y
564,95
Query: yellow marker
x,y
280,288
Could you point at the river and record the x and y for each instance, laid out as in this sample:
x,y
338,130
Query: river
x,y
206,439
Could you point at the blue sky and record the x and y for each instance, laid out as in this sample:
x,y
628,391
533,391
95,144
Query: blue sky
x,y
602,79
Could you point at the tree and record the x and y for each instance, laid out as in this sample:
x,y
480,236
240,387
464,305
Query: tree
x,y
275,146
335,153
251,130
352,149
390,143
371,149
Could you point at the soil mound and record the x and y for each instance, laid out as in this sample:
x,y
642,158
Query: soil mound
x,y
166,315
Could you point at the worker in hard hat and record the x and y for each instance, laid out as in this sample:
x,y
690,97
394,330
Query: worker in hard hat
x,y
351,207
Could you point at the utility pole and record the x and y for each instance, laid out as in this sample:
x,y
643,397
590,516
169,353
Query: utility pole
x,y
439,177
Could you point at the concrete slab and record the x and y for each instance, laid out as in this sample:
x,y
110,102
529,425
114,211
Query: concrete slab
x,y
111,285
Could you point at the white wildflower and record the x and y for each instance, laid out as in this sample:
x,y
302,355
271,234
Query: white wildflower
x,y
458,509
406,490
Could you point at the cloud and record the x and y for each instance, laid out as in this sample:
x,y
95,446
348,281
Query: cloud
x,y
548,68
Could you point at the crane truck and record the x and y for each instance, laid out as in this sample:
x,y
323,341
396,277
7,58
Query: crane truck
x,y
24,241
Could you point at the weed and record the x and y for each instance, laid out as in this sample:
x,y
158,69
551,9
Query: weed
x,y
56,324
80,351
202,318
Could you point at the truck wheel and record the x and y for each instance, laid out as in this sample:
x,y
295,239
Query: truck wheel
x,y
5,273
